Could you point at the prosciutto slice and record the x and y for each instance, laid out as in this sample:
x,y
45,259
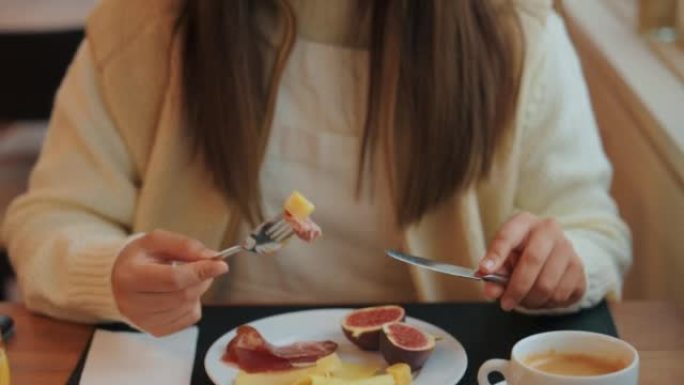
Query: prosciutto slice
x,y
252,353
306,229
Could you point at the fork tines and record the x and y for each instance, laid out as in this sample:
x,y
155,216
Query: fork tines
x,y
280,230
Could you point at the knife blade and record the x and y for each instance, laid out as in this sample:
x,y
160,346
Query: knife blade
x,y
445,268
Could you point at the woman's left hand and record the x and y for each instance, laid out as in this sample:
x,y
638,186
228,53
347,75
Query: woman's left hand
x,y
544,269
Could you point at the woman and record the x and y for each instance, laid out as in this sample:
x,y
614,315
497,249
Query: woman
x,y
458,130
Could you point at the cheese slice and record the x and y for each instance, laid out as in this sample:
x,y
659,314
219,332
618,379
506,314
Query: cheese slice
x,y
288,377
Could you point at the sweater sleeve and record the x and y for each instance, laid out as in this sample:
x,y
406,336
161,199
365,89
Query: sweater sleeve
x,y
65,232
564,173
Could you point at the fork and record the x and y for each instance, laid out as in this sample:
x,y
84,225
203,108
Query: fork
x,y
266,238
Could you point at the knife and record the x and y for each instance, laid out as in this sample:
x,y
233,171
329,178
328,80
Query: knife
x,y
446,268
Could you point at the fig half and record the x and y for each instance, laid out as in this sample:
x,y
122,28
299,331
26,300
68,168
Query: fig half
x,y
401,342
363,326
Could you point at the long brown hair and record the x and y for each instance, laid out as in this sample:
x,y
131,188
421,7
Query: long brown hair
x,y
444,78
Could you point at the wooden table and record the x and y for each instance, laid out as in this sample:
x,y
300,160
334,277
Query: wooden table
x,y
45,351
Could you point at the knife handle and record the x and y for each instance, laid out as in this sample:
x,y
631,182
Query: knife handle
x,y
496,278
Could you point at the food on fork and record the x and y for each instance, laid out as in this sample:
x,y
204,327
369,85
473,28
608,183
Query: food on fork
x,y
252,353
363,326
297,211
298,206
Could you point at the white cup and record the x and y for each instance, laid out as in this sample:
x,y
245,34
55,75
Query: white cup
x,y
517,372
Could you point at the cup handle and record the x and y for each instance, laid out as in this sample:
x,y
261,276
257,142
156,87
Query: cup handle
x,y
491,366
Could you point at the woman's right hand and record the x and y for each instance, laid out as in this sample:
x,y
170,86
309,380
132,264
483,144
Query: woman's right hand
x,y
157,295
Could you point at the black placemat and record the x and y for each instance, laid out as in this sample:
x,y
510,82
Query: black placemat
x,y
484,330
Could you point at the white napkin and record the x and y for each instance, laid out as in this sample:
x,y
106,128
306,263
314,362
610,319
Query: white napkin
x,y
117,358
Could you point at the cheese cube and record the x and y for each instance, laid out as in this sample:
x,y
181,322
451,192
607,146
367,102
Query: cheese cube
x,y
298,206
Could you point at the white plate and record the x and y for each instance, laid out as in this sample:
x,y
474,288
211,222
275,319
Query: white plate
x,y
446,365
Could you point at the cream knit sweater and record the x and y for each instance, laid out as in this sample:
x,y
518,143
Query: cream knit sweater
x,y
115,162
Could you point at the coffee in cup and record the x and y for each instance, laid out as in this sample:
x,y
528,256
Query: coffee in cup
x,y
575,364
567,358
